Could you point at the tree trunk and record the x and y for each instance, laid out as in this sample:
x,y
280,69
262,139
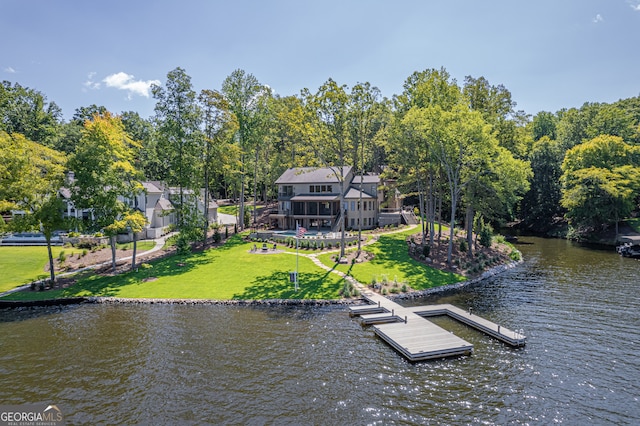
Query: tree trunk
x,y
360,215
469,225
344,216
255,190
113,252
431,210
241,208
52,272
135,250
452,224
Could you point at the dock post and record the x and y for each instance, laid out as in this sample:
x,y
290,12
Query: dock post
x,y
392,312
405,319
498,328
378,303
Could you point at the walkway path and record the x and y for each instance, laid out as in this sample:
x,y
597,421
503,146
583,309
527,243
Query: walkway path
x,y
361,287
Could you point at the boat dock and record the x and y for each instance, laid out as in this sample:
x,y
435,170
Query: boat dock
x,y
417,339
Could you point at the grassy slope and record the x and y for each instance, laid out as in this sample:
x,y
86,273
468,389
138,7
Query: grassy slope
x,y
391,260
228,272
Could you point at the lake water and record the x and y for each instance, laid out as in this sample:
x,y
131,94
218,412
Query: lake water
x,y
166,364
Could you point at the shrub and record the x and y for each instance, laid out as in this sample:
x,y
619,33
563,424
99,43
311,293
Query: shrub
x,y
404,288
463,245
426,250
486,236
514,255
62,256
183,245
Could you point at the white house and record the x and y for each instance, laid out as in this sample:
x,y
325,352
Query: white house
x,y
154,201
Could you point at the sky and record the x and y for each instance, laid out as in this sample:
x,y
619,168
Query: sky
x,y
550,54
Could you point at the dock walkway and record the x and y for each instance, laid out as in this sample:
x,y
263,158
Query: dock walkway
x,y
417,339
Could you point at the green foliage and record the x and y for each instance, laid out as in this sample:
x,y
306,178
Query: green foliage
x,y
426,250
601,181
463,246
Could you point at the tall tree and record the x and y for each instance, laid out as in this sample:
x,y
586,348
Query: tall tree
x,y
541,204
30,177
178,118
600,182
104,174
26,111
246,98
332,145
365,116
219,123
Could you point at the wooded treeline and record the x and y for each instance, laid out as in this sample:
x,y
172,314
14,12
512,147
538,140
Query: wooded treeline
x,y
461,152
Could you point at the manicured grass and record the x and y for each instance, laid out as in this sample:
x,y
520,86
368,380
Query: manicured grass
x,y
392,261
227,272
142,246
233,208
21,265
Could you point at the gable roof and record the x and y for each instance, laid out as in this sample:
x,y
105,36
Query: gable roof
x,y
354,193
163,204
312,175
365,179
153,187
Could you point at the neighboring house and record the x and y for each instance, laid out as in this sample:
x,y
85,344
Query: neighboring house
x,y
310,197
154,202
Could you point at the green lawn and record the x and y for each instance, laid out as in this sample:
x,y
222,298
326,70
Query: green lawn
x,y
21,265
233,208
392,261
228,272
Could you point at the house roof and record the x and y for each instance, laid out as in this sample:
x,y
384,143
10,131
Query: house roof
x,y
366,179
65,192
153,187
163,204
311,197
354,193
312,175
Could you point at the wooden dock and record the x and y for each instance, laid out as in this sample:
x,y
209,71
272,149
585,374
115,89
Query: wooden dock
x,y
417,339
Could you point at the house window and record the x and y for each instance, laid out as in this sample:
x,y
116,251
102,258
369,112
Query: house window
x,y
353,206
312,188
365,205
353,222
329,188
317,188
324,188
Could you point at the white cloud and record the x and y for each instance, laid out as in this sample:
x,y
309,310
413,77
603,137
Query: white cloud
x,y
124,81
635,6
90,84
10,70
598,18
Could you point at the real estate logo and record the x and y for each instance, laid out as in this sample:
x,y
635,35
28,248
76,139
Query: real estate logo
x,y
31,415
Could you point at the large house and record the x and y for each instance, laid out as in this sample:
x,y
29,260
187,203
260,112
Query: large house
x,y
155,201
310,197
